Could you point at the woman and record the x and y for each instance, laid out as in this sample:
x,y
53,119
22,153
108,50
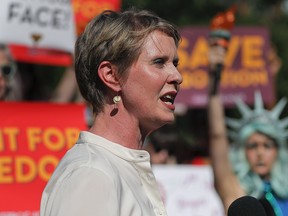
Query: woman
x,y
258,165
126,68
10,82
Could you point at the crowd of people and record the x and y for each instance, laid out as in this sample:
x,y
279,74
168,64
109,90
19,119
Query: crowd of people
x,y
126,72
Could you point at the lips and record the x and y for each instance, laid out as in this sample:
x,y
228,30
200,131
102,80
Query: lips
x,y
260,163
169,98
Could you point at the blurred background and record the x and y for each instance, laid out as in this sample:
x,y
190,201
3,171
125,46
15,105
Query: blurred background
x,y
185,141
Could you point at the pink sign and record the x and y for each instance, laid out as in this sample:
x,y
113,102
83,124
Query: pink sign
x,y
246,67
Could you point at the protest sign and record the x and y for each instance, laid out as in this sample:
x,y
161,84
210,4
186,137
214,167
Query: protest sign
x,y
44,31
247,67
38,23
33,138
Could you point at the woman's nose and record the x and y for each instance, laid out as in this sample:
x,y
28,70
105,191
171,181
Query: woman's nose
x,y
260,150
176,76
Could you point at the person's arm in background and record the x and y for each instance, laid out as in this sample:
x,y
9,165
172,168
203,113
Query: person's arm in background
x,y
226,183
67,90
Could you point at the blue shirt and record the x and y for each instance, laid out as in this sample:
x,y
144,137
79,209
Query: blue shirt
x,y
276,202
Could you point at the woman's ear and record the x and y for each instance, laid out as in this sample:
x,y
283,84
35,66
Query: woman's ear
x,y
108,74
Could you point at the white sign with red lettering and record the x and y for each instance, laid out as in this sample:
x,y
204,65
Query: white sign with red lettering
x,y
188,190
38,23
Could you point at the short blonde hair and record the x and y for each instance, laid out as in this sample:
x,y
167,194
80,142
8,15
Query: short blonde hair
x,y
116,37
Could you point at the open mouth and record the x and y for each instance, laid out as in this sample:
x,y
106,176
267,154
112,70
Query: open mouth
x,y
168,98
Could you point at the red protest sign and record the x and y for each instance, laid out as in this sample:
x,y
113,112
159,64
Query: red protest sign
x,y
33,138
23,53
85,10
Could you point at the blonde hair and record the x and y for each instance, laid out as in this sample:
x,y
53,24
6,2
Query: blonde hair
x,y
116,37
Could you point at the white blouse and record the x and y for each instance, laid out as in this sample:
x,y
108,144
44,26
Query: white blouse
x,y
99,177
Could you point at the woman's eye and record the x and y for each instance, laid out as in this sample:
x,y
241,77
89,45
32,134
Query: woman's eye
x,y
176,63
251,145
270,144
159,61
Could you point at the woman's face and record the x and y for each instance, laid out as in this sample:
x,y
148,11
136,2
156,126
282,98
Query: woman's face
x,y
3,82
261,152
153,83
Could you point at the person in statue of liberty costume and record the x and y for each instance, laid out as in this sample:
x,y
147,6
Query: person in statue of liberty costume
x,y
264,178
256,162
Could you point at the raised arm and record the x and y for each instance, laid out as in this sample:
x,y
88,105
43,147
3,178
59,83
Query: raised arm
x,y
226,183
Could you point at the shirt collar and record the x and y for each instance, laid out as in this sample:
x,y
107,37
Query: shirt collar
x,y
123,152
